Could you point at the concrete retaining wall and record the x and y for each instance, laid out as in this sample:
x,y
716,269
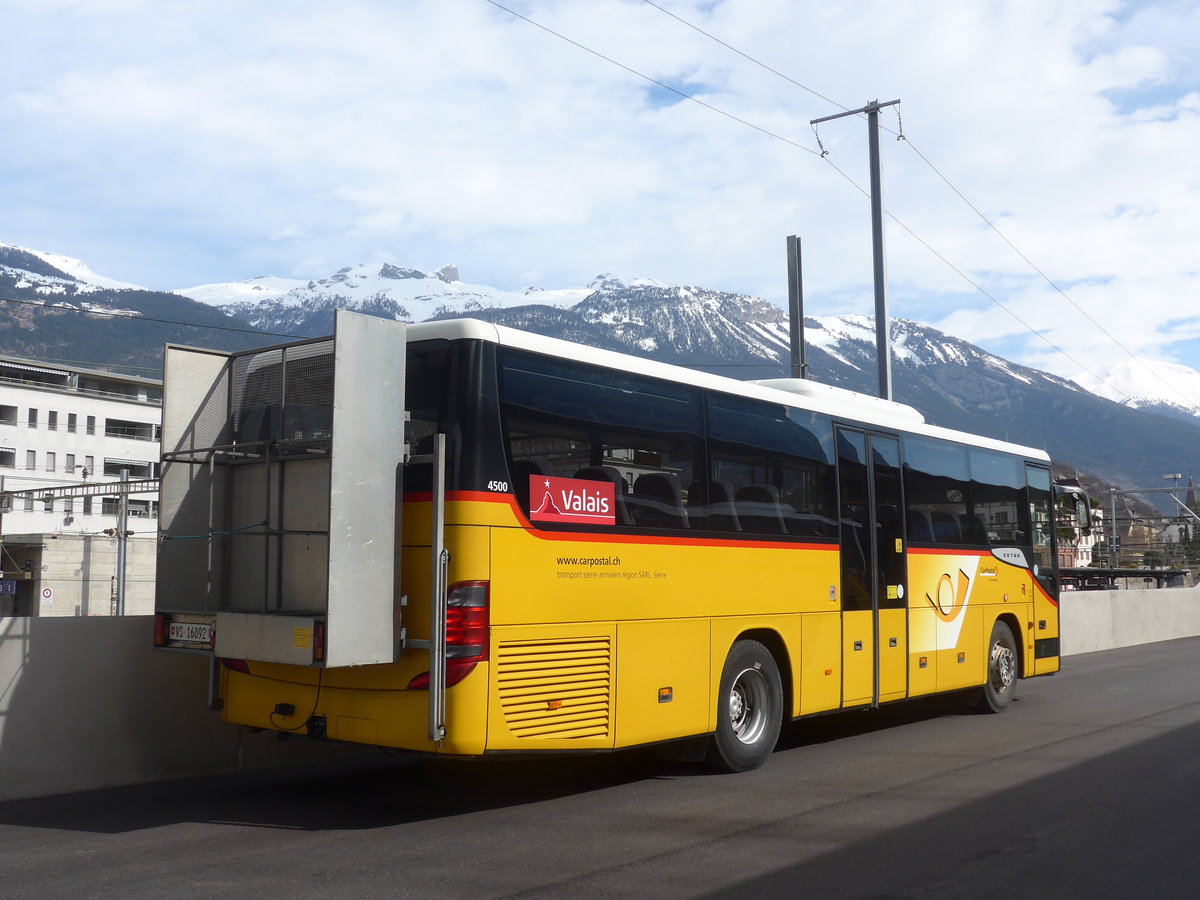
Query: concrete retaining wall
x,y
1101,620
86,703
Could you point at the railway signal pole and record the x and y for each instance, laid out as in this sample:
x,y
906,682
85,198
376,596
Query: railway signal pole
x,y
882,342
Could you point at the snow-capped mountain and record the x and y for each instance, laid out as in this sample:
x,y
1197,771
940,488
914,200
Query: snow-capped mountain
x,y
57,308
58,268
408,295
1168,388
953,383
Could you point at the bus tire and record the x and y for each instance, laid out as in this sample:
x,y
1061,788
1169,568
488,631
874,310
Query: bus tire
x,y
1001,682
749,709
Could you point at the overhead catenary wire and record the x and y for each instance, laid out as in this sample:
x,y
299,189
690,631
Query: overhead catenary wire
x,y
820,154
654,81
900,135
771,134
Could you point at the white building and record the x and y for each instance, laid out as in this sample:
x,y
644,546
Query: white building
x,y
62,426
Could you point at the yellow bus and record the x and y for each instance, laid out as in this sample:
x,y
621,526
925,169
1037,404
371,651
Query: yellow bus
x,y
464,539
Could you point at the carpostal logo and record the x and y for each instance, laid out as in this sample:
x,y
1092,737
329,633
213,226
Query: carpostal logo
x,y
573,500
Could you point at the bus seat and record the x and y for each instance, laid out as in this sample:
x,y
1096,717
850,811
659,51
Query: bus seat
x,y
521,471
920,528
710,506
758,509
656,501
887,523
945,528
973,530
613,476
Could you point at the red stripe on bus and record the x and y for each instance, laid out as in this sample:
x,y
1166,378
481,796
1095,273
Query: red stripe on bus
x,y
575,536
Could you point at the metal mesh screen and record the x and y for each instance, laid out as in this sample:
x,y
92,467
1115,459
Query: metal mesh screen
x,y
284,396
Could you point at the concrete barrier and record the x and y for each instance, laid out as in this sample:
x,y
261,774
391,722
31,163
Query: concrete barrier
x,y
1101,620
87,703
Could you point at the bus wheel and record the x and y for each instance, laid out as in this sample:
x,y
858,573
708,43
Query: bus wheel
x,y
1001,681
749,709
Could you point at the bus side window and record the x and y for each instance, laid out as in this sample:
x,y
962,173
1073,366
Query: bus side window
x,y
771,472
997,483
576,421
937,487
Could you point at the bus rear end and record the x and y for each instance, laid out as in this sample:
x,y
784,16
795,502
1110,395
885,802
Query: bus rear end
x,y
288,556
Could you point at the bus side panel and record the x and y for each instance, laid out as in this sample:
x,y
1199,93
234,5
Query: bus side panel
x,y
858,657
820,666
944,584
663,680
922,660
1044,634
547,577
893,654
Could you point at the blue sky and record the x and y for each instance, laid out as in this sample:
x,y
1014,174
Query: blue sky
x,y
172,144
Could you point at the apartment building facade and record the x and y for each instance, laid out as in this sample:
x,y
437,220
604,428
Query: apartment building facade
x,y
62,426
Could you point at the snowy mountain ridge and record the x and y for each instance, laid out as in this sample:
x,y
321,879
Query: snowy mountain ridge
x,y
952,382
1147,384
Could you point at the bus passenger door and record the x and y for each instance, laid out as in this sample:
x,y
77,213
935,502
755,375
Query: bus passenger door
x,y
874,573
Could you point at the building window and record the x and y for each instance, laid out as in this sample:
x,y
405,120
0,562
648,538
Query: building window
x,y
91,424
68,506
50,460
71,422
52,420
130,430
8,415
70,466
137,468
89,466
30,459
28,504
48,506
8,458
87,506
108,506
32,417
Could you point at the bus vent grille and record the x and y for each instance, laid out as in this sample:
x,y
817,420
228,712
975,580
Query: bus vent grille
x,y
556,688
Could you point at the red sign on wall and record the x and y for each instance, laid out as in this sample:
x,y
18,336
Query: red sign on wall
x,y
573,500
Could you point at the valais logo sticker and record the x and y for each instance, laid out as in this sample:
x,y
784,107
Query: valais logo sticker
x,y
572,500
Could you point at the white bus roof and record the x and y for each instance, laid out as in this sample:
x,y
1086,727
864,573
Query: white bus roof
x,y
799,393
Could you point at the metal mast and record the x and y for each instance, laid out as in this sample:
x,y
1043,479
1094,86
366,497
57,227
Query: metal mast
x,y
882,343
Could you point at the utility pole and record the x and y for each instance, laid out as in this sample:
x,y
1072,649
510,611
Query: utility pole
x,y
882,343
122,540
795,307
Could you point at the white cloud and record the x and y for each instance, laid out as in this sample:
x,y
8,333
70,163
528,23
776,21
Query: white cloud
x,y
177,143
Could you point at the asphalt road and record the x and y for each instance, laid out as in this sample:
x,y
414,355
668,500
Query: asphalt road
x,y
1088,786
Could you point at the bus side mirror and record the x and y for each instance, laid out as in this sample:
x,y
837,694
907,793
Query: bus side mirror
x,y
1083,514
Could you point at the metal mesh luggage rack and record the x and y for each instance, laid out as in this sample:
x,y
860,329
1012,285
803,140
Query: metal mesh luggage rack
x,y
279,483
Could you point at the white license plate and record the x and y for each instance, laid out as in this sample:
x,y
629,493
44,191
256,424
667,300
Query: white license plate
x,y
190,633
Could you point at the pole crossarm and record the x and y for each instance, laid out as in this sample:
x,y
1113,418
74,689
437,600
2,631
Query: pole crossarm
x,y
99,489
870,107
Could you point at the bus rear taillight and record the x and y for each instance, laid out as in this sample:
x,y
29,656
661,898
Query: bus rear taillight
x,y
466,633
160,630
318,642
467,621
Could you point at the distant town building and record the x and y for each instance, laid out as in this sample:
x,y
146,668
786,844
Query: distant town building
x,y
62,426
